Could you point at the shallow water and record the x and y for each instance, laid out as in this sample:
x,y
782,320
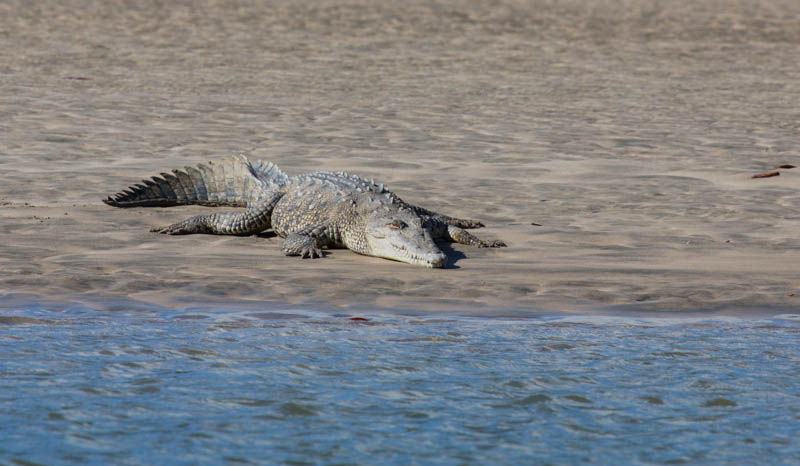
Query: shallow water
x,y
80,386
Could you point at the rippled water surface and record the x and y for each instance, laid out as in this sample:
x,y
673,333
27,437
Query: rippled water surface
x,y
79,386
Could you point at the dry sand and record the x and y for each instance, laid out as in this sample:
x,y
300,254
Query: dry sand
x,y
627,129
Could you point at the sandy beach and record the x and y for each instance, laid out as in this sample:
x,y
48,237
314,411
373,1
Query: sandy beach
x,y
611,144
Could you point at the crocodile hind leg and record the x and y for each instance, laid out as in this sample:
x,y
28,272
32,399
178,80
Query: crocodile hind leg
x,y
253,220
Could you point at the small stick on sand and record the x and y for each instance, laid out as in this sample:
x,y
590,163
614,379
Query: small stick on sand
x,y
766,175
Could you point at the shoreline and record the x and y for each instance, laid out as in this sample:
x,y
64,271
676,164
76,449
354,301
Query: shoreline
x,y
22,305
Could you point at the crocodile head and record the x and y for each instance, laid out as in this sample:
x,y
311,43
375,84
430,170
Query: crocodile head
x,y
399,234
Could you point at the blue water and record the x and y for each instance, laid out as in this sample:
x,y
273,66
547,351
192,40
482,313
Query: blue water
x,y
80,386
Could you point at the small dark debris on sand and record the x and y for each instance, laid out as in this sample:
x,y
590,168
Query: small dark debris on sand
x,y
766,175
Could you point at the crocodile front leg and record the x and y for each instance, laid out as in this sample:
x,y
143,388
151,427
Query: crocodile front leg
x,y
306,243
253,220
461,236
454,234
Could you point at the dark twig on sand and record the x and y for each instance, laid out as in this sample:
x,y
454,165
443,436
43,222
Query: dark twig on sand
x,y
766,175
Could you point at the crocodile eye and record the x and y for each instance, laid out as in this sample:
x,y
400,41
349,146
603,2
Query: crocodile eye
x,y
397,224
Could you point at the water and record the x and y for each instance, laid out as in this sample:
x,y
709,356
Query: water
x,y
80,386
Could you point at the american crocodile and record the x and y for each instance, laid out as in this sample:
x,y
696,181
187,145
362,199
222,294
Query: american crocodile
x,y
311,211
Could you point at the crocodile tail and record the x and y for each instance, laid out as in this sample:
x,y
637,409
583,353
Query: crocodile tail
x,y
233,181
268,172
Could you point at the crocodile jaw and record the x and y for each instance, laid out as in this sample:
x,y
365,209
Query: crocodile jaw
x,y
412,244
433,259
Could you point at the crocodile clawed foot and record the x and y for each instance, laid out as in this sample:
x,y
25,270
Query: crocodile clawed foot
x,y
311,252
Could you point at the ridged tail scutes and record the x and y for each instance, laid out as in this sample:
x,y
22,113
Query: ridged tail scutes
x,y
268,172
232,181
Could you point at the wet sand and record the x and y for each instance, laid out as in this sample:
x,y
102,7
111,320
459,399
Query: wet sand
x,y
628,131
